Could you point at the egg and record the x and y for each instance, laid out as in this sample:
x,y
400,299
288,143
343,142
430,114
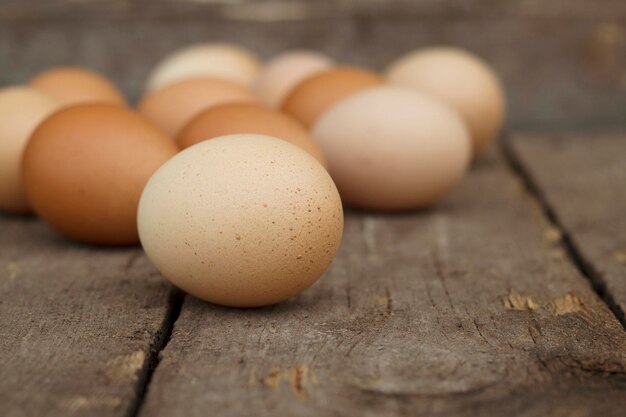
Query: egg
x,y
84,169
247,118
21,110
283,72
172,107
462,80
393,149
73,85
215,60
241,220
309,99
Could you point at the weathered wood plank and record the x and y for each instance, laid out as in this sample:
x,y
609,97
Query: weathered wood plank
x,y
469,309
582,179
557,73
76,323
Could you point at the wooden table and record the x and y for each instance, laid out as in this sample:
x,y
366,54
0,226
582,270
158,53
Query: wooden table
x,y
507,298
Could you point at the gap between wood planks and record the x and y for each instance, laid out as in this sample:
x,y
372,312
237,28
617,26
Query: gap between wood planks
x,y
573,253
159,342
177,297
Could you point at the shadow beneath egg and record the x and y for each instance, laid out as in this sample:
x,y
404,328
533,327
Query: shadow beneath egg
x,y
30,233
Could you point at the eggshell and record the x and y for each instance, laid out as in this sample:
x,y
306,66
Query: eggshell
x,y
21,110
241,220
309,99
215,60
462,80
247,118
283,72
172,107
74,85
393,149
84,169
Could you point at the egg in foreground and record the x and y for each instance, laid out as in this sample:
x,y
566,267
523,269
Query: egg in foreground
x,y
462,80
241,220
216,60
84,169
74,85
21,111
235,118
393,149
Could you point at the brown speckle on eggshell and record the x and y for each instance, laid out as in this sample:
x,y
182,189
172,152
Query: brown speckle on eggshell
x,y
241,220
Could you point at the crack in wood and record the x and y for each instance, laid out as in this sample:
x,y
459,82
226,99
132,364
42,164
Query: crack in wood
x,y
480,332
566,242
159,342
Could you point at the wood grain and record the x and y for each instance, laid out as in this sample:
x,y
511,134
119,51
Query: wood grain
x,y
581,177
76,323
469,309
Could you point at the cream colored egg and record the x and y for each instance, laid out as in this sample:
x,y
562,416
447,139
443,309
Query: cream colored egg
x,y
390,148
215,60
461,79
21,110
283,72
241,220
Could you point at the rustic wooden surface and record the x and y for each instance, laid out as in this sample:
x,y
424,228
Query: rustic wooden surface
x,y
472,308
562,61
503,300
77,323
469,309
582,181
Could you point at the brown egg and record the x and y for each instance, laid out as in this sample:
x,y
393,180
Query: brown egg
x,y
309,99
74,85
235,118
85,167
170,108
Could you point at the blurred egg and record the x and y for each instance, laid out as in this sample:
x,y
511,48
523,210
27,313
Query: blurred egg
x,y
462,80
21,110
215,60
84,169
73,85
393,149
283,72
309,99
247,118
241,220
172,107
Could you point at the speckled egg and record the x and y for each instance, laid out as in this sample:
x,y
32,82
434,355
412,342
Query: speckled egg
x,y
241,220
